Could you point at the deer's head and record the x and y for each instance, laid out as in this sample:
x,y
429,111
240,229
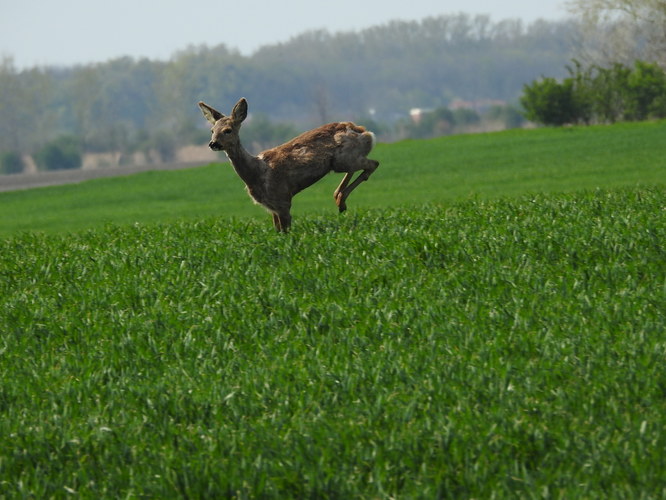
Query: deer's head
x,y
225,128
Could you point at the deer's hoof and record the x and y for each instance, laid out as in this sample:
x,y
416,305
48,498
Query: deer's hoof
x,y
340,202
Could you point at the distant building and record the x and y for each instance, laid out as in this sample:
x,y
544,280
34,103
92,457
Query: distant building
x,y
479,105
416,114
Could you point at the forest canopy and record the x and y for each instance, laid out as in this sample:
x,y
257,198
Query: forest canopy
x,y
377,75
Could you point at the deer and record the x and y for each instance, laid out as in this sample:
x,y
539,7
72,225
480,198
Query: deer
x,y
275,176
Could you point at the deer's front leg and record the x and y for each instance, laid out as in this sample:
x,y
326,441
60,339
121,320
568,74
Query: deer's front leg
x,y
282,221
285,222
276,221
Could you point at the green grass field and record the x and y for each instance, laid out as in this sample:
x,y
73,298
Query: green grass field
x,y
411,173
498,339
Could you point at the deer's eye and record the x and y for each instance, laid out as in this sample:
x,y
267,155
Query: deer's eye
x,y
226,131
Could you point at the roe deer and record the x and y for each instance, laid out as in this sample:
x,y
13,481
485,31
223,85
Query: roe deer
x,y
276,175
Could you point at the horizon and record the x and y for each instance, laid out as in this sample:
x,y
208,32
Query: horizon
x,y
136,30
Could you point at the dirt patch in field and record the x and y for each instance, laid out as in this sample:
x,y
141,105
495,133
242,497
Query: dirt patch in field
x,y
104,165
27,181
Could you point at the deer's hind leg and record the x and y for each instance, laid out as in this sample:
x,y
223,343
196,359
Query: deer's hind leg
x,y
337,194
344,189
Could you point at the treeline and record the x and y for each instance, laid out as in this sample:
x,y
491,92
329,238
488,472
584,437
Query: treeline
x,y
596,94
374,76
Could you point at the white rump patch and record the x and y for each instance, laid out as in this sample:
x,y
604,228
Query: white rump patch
x,y
374,139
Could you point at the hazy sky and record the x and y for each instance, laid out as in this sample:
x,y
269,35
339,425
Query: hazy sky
x,y
66,32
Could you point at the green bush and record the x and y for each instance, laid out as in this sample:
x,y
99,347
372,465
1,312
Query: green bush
x,y
550,102
61,154
164,143
646,91
11,163
609,95
598,95
510,116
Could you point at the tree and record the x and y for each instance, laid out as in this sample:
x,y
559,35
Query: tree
x,y
24,106
550,102
622,30
609,99
260,133
61,154
583,91
598,94
646,88
431,124
11,163
308,80
165,144
10,98
464,117
508,116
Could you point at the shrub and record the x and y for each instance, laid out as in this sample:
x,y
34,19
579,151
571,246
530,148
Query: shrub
x,y
550,102
510,116
165,144
646,88
60,154
11,163
597,94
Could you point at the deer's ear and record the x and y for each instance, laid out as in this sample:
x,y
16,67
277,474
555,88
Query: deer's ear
x,y
211,114
240,111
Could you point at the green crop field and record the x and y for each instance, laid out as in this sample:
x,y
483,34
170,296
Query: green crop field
x,y
411,173
486,321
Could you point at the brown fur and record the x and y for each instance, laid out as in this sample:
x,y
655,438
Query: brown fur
x,y
273,177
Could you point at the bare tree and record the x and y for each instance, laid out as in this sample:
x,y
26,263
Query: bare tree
x,y
321,101
622,30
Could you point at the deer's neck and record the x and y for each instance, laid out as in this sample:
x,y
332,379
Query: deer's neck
x,y
249,168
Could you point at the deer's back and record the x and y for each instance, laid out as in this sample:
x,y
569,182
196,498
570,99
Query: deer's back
x,y
320,146
307,158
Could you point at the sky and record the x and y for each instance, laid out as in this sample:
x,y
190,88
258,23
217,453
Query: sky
x,y
70,32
